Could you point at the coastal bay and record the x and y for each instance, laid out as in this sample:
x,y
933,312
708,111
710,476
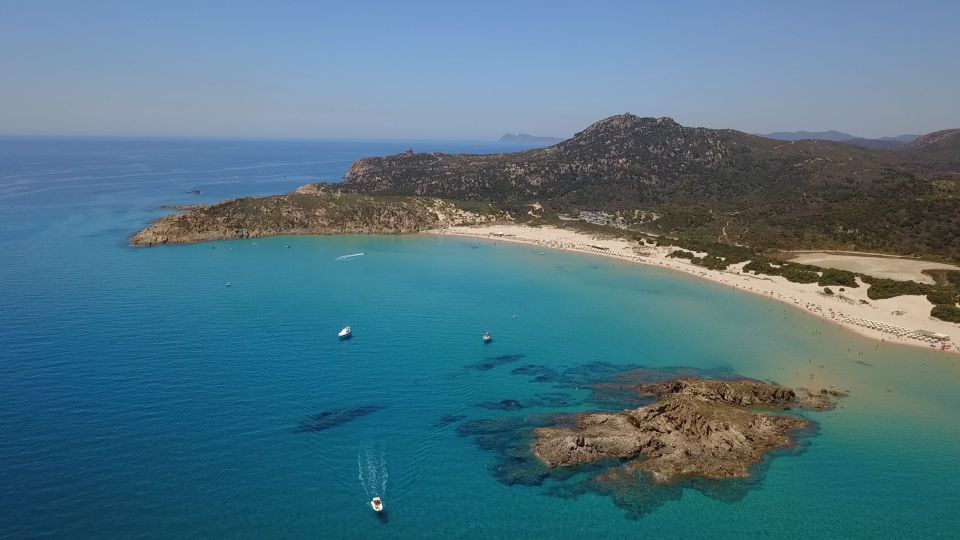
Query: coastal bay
x,y
143,378
272,271
315,209
890,319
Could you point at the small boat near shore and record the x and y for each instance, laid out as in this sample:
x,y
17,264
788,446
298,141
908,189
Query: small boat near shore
x,y
348,257
377,505
345,333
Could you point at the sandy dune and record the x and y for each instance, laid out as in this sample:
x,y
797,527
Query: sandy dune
x,y
883,267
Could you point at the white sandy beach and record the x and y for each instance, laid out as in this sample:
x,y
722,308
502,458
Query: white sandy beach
x,y
895,320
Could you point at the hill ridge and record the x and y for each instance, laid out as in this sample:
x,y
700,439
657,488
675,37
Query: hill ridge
x,y
703,182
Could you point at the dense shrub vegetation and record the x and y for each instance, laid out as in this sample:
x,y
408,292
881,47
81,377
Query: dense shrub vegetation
x,y
881,288
942,296
798,275
681,254
832,276
946,313
761,266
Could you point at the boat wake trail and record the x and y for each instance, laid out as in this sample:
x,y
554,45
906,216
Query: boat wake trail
x,y
347,257
372,463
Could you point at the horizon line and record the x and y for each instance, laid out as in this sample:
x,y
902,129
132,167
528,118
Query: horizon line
x,y
251,138
494,139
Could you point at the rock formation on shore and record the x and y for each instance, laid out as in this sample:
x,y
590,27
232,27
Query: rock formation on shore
x,y
312,209
696,428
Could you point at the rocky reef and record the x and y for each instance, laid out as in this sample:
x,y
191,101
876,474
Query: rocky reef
x,y
312,209
651,433
331,419
696,428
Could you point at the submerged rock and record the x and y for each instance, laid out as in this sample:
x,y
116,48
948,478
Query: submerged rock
x,y
493,362
332,419
502,405
550,399
696,428
448,420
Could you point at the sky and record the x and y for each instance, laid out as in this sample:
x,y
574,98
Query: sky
x,y
473,71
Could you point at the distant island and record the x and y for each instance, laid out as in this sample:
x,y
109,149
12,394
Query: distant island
x,y
831,135
523,138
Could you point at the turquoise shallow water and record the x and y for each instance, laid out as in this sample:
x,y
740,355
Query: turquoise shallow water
x,y
142,398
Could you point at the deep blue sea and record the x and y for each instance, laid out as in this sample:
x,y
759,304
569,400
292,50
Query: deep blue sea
x,y
141,398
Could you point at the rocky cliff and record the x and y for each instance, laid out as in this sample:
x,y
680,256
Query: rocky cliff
x,y
312,209
705,428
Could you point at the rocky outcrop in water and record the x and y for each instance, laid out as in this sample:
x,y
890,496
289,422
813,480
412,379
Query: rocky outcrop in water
x,y
312,209
696,428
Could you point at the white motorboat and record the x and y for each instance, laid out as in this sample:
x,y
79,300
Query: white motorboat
x,y
345,333
348,257
376,504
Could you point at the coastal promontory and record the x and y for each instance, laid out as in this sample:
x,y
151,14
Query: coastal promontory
x,y
696,428
650,175
312,209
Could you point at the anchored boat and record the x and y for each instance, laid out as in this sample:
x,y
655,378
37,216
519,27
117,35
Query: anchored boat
x,y
345,333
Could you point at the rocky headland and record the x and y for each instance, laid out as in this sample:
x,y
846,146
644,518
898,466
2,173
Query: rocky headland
x,y
648,175
312,209
696,428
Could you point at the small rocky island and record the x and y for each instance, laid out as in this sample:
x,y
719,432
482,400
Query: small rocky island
x,y
311,209
696,428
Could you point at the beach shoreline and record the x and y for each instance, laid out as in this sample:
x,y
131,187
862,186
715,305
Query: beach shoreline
x,y
893,320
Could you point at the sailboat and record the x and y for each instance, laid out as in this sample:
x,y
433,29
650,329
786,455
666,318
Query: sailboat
x,y
487,337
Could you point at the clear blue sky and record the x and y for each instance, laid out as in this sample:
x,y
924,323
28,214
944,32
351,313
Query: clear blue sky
x,y
452,70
